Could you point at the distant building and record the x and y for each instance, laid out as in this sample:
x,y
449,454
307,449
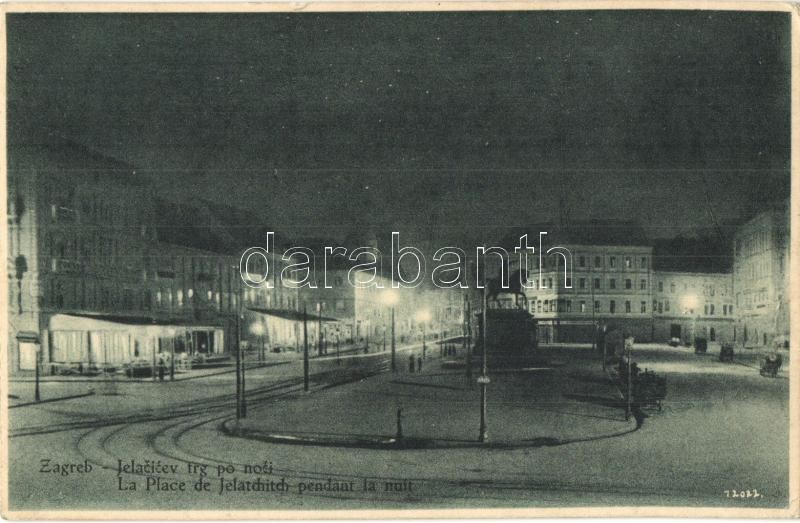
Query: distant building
x,y
692,304
610,282
761,278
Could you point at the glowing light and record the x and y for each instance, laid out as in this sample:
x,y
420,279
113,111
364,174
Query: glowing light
x,y
390,297
423,316
257,329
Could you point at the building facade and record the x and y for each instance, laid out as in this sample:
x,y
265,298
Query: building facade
x,y
95,282
689,304
607,285
761,279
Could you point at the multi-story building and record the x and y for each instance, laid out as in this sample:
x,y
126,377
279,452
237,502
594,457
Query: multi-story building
x,y
609,283
362,315
100,276
693,304
761,278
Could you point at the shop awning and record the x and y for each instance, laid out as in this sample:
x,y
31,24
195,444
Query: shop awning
x,y
100,322
290,315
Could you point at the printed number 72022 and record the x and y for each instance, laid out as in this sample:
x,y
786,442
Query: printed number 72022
x,y
754,493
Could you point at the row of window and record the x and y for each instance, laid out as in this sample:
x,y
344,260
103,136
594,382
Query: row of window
x,y
582,283
565,305
753,299
627,262
708,289
709,309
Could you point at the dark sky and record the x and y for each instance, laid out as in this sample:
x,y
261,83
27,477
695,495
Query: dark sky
x,y
446,125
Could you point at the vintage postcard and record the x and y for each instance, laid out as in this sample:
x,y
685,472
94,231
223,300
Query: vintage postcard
x,y
402,260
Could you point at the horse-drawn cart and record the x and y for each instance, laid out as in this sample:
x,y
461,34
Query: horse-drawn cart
x,y
649,389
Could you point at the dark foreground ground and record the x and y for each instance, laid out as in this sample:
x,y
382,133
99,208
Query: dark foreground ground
x,y
557,431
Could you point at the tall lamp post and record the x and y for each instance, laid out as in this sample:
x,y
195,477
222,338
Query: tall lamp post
x,y
424,317
36,395
172,333
483,437
390,298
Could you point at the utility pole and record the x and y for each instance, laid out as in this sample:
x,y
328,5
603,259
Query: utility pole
x,y
305,349
484,379
628,407
394,364
468,341
319,329
172,359
238,370
36,396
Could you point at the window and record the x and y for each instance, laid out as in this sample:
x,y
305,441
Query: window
x,y
583,306
582,261
597,306
666,306
627,283
711,309
705,309
538,305
612,306
569,283
550,283
612,261
672,287
643,284
730,309
628,262
582,283
569,305
643,262
644,308
661,286
597,261
627,306
597,283
612,283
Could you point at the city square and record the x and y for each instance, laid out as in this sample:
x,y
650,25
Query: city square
x,y
407,260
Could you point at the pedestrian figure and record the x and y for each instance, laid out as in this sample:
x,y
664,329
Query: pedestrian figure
x,y
411,364
161,368
419,364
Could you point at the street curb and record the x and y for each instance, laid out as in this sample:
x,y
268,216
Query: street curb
x,y
62,398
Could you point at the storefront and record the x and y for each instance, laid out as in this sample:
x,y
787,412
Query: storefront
x,y
98,341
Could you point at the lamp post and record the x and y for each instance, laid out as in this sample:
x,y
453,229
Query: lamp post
x,y
36,396
319,329
390,298
305,349
171,333
424,316
483,437
468,339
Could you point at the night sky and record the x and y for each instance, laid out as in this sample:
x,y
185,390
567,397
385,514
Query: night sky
x,y
447,126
